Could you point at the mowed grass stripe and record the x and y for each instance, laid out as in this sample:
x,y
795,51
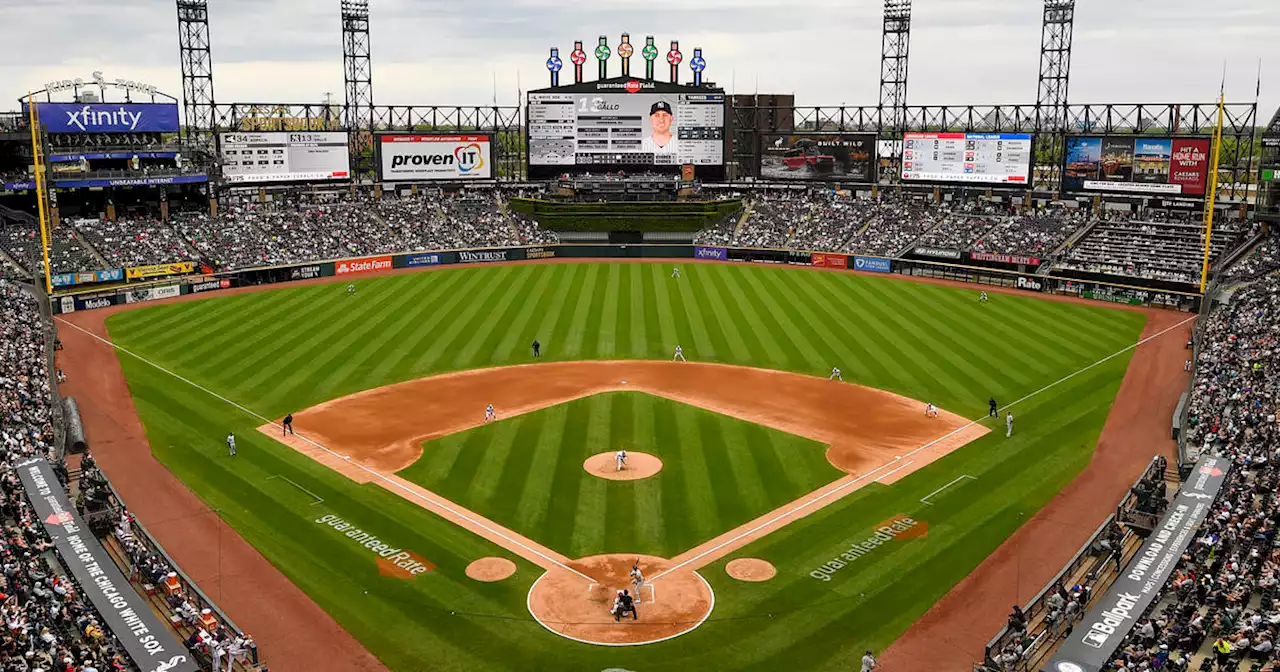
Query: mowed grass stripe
x,y
669,334
395,340
862,357
685,307
520,334
786,330
607,329
586,302
650,516
553,313
441,351
593,517
548,449
758,332
405,361
230,337
482,338
637,344
727,332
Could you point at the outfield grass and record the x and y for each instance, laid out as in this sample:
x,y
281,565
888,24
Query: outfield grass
x,y
526,473
283,350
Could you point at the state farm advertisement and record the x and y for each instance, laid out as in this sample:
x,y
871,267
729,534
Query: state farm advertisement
x,y
425,158
368,265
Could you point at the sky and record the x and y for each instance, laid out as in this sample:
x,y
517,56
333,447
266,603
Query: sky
x,y
825,52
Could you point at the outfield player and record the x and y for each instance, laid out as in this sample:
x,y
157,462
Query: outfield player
x,y
1008,424
679,354
675,272
490,414
231,443
351,289
621,458
983,298
835,375
637,578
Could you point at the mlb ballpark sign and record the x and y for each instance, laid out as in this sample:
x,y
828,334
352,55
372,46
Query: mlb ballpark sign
x,y
1098,635
413,158
108,117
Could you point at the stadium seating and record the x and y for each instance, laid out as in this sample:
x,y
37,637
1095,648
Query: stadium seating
x,y
1158,250
134,241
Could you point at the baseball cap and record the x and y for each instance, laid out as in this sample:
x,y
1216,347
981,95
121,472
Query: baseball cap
x,y
660,106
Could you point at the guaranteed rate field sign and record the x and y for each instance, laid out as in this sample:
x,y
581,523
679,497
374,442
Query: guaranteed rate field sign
x,y
421,158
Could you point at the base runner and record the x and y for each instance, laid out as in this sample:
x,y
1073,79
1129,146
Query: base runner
x,y
490,414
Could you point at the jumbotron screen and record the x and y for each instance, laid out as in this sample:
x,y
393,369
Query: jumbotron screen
x,y
284,157
626,129
985,158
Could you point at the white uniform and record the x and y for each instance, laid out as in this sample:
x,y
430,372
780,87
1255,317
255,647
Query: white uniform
x,y
231,444
621,458
983,298
489,413
637,580
1008,425
675,272
351,289
835,375
662,154
679,354
930,410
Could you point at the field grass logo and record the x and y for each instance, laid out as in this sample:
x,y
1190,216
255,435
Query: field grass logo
x,y
897,528
469,157
392,562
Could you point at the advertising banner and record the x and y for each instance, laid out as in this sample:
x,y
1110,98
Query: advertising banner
x,y
366,265
1030,284
872,265
1090,645
159,270
210,285
718,253
126,614
936,252
429,259
89,278
829,260
107,117
96,301
414,158
836,156
153,294
68,304
1136,165
484,256
308,272
1005,258
540,253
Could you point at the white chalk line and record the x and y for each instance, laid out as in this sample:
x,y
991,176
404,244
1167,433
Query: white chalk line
x,y
925,499
371,472
886,475
842,490
318,498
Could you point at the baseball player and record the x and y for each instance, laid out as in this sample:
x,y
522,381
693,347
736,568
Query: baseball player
x,y
624,604
1008,425
983,298
930,411
288,425
621,458
231,443
490,414
835,375
637,578
679,354
675,272
351,289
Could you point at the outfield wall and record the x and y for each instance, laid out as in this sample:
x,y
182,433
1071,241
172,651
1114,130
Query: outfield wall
x,y
958,271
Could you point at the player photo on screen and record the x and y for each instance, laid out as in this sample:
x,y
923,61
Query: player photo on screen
x,y
660,137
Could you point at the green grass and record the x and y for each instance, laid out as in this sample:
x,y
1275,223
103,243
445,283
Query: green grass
x,y
526,473
288,349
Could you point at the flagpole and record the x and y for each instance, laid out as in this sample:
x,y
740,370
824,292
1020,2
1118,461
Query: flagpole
x,y
42,195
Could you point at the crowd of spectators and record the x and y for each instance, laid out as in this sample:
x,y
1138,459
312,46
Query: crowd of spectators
x,y
1261,260
1159,246
1033,235
134,241
20,238
1220,605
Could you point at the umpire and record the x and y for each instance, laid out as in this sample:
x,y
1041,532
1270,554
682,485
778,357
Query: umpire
x,y
287,427
992,407
537,349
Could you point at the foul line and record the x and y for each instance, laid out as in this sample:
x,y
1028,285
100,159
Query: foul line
x,y
904,466
371,472
843,488
925,499
286,479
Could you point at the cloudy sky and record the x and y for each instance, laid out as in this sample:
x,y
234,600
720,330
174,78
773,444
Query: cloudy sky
x,y
826,52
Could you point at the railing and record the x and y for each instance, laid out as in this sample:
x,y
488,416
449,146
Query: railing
x,y
1128,512
1185,458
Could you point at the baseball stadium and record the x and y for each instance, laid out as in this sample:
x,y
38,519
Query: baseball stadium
x,y
642,373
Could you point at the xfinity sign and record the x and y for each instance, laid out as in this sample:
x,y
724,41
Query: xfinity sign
x,y
420,158
108,118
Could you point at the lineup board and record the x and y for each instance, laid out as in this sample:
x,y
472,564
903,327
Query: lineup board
x,y
284,157
988,158
585,129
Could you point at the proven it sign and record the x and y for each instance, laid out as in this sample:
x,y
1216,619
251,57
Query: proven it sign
x,y
415,158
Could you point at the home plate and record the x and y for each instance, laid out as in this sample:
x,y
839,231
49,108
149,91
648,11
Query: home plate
x,y
624,382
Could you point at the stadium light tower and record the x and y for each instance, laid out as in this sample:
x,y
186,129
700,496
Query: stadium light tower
x,y
1055,63
358,77
197,74
895,46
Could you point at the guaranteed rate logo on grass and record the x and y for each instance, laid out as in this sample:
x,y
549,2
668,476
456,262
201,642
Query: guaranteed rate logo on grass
x,y
393,562
896,528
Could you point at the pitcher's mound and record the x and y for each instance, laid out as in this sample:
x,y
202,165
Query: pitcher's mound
x,y
639,465
491,569
750,569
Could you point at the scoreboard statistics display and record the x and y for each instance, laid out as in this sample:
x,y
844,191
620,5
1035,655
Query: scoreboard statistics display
x,y
626,129
284,157
984,158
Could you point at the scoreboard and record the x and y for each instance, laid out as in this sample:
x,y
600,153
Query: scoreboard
x,y
626,129
984,158
284,157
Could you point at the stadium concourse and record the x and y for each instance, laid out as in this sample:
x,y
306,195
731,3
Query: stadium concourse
x,y
49,624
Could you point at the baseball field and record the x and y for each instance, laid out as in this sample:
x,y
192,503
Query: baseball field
x,y
402,512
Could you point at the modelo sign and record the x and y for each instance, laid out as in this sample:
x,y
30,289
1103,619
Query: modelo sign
x,y
414,158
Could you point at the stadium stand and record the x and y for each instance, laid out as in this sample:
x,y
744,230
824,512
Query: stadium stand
x,y
20,239
1035,235
1156,248
134,241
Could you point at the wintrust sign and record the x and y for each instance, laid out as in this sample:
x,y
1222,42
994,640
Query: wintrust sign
x,y
368,265
413,158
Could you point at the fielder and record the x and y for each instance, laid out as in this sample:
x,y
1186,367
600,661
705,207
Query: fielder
x,y
983,298
675,273
637,579
1008,425
621,458
679,354
231,443
835,375
930,411
351,290
490,414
